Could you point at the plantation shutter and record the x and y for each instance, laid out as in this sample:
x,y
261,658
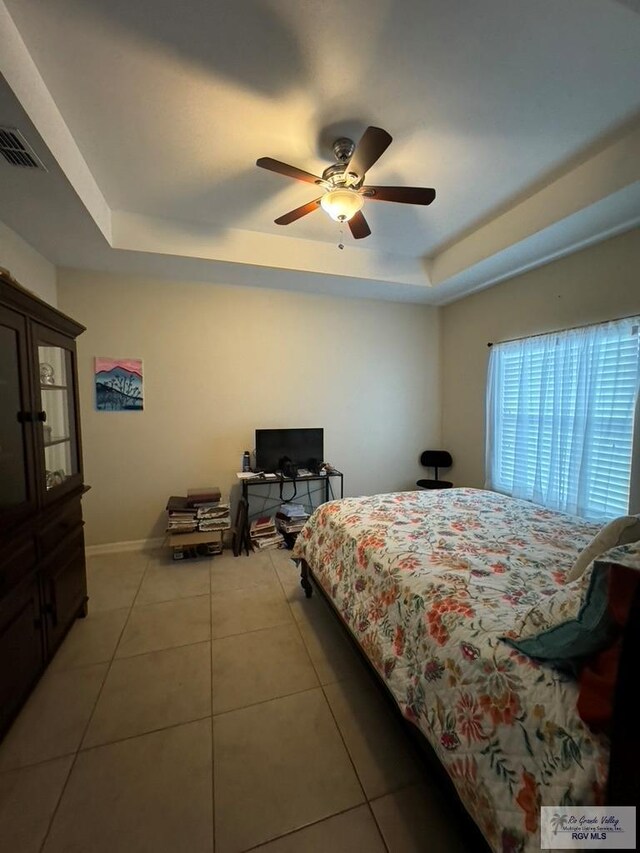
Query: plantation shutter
x,y
560,418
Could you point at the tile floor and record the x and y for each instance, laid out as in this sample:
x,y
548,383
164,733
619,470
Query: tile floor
x,y
209,705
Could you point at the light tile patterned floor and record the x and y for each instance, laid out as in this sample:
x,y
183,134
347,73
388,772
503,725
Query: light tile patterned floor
x,y
208,705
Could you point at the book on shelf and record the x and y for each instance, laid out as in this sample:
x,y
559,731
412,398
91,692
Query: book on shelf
x,y
290,526
219,510
182,521
265,535
258,532
264,522
176,503
214,516
203,495
182,527
207,524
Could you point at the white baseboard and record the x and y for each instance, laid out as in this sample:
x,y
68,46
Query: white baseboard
x,y
131,545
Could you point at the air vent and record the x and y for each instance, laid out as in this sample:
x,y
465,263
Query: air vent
x,y
16,150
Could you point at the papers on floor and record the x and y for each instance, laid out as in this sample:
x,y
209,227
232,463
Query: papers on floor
x,y
291,510
291,518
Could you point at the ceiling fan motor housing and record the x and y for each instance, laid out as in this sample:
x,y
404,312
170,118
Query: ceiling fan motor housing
x,y
336,175
343,148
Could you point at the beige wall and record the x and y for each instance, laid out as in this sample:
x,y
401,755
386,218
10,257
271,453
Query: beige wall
x,y
28,267
219,362
599,283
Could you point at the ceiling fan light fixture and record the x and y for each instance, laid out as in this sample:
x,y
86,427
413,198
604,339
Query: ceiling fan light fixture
x,y
344,183
342,203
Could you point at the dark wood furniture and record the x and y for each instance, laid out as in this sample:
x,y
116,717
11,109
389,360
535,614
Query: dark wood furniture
x,y
42,562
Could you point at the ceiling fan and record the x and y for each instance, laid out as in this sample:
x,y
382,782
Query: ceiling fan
x,y
343,182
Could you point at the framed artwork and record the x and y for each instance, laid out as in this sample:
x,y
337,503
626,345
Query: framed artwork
x,y
118,384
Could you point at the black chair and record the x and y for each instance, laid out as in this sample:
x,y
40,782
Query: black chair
x,y
435,459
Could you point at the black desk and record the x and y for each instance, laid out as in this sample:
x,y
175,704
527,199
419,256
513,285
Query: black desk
x,y
290,491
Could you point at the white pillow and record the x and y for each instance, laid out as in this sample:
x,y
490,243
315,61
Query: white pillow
x,y
620,531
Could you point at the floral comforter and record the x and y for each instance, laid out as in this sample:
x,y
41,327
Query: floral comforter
x,y
428,583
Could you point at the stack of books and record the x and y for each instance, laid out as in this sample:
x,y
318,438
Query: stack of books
x,y
201,510
181,518
264,534
291,518
214,516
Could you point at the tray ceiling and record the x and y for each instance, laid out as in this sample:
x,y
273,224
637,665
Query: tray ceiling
x,y
522,116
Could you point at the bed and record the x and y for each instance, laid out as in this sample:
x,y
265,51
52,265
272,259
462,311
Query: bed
x,y
428,583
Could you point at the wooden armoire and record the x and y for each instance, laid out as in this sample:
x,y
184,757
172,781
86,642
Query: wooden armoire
x,y
42,563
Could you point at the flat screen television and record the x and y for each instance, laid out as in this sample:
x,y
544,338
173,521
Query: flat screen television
x,y
305,447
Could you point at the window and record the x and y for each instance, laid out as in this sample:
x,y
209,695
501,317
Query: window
x,y
560,418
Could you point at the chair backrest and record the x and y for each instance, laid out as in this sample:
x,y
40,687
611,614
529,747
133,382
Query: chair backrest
x,y
436,459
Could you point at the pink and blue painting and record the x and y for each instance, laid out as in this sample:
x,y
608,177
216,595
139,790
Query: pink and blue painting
x,y
118,384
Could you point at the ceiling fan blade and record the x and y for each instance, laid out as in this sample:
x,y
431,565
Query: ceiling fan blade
x,y
371,147
299,212
286,170
404,195
359,226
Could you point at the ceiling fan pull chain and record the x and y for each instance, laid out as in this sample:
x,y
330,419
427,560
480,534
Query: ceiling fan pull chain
x,y
341,237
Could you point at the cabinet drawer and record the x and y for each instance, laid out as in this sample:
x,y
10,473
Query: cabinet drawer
x,y
17,561
64,590
60,525
21,648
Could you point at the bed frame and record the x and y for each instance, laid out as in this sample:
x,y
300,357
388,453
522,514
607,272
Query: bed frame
x,y
623,787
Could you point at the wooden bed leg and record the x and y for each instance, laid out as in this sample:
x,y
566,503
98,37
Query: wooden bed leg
x,y
305,583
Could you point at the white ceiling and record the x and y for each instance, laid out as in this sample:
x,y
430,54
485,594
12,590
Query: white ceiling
x,y
523,116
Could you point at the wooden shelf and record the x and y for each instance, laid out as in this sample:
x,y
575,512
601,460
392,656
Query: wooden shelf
x,y
54,387
178,540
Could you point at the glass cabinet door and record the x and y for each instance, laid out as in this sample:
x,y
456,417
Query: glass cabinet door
x,y
57,415
16,485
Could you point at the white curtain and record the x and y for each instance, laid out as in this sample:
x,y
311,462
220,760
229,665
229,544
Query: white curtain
x,y
560,419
